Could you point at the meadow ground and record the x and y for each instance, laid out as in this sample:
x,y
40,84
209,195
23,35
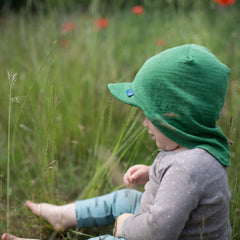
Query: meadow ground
x,y
65,137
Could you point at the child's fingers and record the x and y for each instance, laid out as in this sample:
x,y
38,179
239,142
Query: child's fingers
x,y
138,172
132,169
141,176
127,179
135,175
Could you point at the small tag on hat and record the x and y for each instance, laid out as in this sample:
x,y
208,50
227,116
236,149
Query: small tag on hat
x,y
129,92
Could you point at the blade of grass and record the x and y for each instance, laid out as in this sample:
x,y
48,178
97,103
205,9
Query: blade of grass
x,y
12,81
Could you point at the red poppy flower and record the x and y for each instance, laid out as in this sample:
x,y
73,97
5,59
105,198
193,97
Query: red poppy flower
x,y
64,42
68,27
159,42
137,10
225,2
101,23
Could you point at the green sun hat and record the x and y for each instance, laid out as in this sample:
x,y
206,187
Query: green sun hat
x,y
182,91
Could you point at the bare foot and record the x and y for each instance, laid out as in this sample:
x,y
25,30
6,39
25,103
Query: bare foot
x,y
60,217
7,236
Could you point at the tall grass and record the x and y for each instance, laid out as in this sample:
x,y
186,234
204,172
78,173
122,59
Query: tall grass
x,y
12,81
69,137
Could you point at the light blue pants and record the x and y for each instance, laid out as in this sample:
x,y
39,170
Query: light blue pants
x,y
103,210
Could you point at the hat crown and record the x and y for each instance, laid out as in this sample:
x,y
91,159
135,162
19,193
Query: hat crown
x,y
186,80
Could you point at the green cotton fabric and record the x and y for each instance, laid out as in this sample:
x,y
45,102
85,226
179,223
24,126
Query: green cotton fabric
x,y
182,91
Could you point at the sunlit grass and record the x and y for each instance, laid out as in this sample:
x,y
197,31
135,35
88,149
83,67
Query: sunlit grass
x,y
69,137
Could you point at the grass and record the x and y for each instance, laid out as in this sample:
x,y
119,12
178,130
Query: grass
x,y
69,138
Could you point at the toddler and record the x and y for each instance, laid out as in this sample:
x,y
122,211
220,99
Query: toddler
x,y
181,92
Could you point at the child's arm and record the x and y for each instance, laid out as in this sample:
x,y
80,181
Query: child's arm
x,y
136,175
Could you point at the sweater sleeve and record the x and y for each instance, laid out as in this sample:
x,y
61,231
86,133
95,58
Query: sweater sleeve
x,y
175,199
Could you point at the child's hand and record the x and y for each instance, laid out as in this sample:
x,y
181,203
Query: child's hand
x,y
136,175
118,224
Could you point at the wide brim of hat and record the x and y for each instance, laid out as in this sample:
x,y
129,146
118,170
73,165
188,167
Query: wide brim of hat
x,y
118,90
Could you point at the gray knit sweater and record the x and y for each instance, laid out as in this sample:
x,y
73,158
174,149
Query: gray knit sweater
x,y
186,198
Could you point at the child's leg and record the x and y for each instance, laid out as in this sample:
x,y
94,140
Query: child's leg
x,y
86,213
103,210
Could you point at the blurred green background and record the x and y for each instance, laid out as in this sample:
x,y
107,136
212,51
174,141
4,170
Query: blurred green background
x,y
108,5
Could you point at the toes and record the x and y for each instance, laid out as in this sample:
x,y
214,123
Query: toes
x,y
29,204
34,207
6,236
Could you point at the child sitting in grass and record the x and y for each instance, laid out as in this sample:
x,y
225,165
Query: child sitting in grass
x,y
181,92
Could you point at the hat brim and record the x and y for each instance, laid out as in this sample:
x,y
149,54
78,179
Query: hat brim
x,y
119,90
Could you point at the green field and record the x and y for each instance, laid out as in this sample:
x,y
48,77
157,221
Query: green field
x,y
63,136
